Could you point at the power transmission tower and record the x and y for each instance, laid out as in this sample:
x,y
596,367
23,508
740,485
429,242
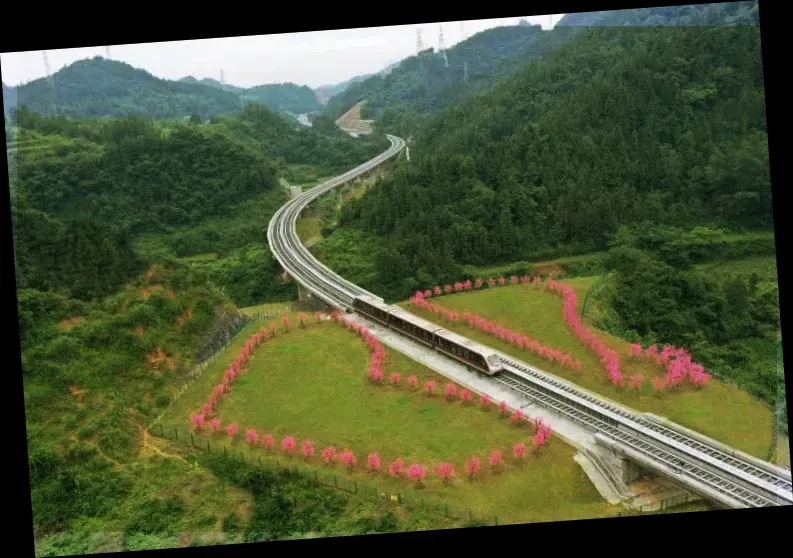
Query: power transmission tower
x,y
50,78
47,66
419,44
440,46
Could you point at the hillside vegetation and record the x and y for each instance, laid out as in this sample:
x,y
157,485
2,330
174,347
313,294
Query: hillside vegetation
x,y
619,126
722,13
84,190
423,84
106,88
285,97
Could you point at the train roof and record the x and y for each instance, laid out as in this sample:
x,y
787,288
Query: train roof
x,y
412,318
460,340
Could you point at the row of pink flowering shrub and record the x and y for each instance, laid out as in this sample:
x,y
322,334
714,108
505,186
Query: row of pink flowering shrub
x,y
502,333
679,366
209,420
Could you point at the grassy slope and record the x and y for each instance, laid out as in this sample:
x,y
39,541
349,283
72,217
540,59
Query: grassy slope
x,y
720,411
296,386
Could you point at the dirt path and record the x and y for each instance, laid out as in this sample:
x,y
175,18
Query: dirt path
x,y
148,447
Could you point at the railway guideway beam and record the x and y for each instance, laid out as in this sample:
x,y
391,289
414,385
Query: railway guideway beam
x,y
630,467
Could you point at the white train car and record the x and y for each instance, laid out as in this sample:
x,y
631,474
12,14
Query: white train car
x,y
465,351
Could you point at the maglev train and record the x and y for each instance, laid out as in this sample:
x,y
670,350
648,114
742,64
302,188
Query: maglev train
x,y
471,354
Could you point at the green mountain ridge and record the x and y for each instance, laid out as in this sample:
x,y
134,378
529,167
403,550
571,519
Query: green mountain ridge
x,y
722,13
98,87
615,127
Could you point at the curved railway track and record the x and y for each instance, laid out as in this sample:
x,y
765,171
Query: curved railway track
x,y
707,467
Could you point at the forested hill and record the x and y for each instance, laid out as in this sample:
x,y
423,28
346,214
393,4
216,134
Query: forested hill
x,y
84,188
284,97
326,92
9,98
423,83
213,83
618,126
106,88
723,13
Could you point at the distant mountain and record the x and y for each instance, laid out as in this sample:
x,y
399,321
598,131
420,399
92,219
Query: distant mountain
x,y
9,98
283,97
326,92
721,13
213,83
428,81
99,87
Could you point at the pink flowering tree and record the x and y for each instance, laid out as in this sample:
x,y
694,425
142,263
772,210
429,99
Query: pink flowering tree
x,y
465,396
288,444
517,417
328,454
375,374
251,435
396,378
396,468
472,467
478,284
445,471
484,402
636,382
285,322
495,460
450,391
307,448
413,382
214,425
429,387
198,421
268,441
519,450
503,408
437,291
659,384
416,473
373,460
232,430
347,459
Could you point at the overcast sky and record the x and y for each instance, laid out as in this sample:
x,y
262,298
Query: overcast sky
x,y
311,58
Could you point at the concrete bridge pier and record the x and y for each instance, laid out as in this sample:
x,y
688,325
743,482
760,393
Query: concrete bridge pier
x,y
303,294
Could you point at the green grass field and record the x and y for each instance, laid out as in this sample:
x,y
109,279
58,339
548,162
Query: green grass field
x,y
720,411
311,384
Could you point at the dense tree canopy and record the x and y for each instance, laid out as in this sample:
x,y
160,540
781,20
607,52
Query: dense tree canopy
x,y
620,126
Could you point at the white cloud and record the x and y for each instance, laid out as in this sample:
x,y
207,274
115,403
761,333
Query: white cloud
x,y
309,58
